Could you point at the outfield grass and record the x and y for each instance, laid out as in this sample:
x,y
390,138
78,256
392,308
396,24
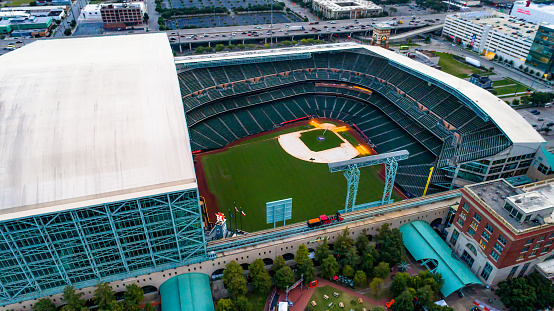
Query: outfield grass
x,y
456,68
252,174
349,138
350,302
310,139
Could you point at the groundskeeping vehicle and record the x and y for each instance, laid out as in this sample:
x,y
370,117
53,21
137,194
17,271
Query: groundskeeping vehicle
x,y
324,220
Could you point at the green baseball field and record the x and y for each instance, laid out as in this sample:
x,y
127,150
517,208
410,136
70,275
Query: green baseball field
x,y
259,170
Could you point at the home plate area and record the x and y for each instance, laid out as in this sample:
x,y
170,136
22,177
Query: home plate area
x,y
322,144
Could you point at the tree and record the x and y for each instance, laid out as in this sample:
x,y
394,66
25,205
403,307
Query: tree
x,y
350,258
378,308
243,304
278,263
73,24
150,307
44,305
425,295
434,307
225,305
286,43
284,277
382,270
231,46
241,46
73,300
366,264
209,49
362,243
267,46
515,102
360,278
233,279
392,10
544,290
391,246
199,50
103,295
146,17
376,285
404,302
428,39
33,3
532,292
67,32
308,270
219,47
322,251
329,267
348,271
399,283
302,254
410,40
344,243
133,297
117,306
260,278
250,46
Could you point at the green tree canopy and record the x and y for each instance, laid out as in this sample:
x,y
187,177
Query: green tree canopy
x,y
329,267
219,47
149,307
278,263
343,243
73,300
199,50
322,251
225,305
360,279
399,283
241,46
351,257
233,279
103,295
44,305
231,46
527,293
242,304
133,297
302,254
260,278
376,285
404,302
382,270
362,243
284,277
391,246
348,271
425,295
367,263
308,270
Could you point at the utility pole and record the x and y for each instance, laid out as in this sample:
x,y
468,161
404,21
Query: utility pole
x,y
271,26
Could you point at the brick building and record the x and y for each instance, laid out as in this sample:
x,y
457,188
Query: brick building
x,y
501,231
122,15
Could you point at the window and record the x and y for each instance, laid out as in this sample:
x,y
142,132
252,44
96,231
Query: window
x,y
552,235
522,272
471,248
477,217
486,236
465,207
537,245
502,240
460,222
454,238
520,257
544,250
494,255
548,243
529,241
527,218
463,215
471,232
474,225
498,248
533,253
512,272
525,249
541,238
483,243
467,259
486,271
489,228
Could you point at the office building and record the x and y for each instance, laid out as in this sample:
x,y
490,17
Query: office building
x,y
121,15
24,23
541,54
335,9
531,12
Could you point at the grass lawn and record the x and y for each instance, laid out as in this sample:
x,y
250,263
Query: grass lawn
x,y
19,2
383,293
257,300
456,68
512,86
349,301
503,82
252,174
351,139
310,139
406,44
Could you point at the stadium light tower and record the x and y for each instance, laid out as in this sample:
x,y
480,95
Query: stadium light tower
x,y
351,169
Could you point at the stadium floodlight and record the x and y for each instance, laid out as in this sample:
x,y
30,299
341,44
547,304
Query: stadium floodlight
x,y
279,211
351,169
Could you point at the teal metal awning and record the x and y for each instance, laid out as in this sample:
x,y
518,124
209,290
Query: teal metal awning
x,y
187,292
425,244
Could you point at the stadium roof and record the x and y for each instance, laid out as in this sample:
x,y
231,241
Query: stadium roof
x,y
516,128
89,121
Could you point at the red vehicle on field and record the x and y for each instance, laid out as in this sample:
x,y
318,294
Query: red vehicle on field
x,y
324,220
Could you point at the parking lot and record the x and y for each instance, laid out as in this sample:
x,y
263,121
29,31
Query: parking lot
x,y
224,20
177,4
541,121
88,29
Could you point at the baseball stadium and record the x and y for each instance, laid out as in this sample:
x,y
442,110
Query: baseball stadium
x,y
116,155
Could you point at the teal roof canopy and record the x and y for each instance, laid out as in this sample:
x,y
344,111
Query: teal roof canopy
x,y
424,243
549,157
187,292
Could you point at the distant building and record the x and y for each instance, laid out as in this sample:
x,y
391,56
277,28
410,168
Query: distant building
x,y
531,12
91,12
428,55
541,54
56,12
336,9
500,231
24,23
542,167
481,81
121,15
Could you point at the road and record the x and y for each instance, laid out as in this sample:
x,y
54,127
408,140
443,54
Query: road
x,y
300,10
72,14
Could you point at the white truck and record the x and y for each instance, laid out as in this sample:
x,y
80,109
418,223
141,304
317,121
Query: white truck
x,y
296,28
473,61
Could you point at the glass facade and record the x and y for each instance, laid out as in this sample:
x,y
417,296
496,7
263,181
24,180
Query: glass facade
x,y
541,54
